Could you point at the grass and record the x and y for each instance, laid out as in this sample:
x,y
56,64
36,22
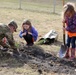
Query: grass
x,y
43,22
39,6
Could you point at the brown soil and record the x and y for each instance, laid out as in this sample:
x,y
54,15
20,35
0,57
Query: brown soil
x,y
38,59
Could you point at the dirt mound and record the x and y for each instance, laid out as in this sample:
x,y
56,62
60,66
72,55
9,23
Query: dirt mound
x,y
38,59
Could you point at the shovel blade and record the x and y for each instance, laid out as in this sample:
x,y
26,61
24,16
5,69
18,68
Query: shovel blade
x,y
63,51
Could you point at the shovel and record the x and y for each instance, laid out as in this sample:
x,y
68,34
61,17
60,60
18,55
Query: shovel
x,y
63,49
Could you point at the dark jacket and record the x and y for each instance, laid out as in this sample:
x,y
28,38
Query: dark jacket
x,y
5,32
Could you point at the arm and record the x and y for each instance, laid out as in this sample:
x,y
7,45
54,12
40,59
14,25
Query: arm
x,y
10,39
20,35
72,25
71,28
34,33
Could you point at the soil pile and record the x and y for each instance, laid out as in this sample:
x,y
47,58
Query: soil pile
x,y
38,59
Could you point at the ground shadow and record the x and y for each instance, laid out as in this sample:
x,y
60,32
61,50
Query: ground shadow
x,y
58,43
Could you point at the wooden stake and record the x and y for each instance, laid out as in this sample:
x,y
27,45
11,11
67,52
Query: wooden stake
x,y
63,2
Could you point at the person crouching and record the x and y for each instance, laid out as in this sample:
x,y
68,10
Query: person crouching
x,y
29,33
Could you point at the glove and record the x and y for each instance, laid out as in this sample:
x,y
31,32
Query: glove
x,y
5,42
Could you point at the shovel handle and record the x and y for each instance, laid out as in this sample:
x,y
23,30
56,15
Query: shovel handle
x,y
63,26
64,34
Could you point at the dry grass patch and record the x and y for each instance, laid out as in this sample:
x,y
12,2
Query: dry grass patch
x,y
43,23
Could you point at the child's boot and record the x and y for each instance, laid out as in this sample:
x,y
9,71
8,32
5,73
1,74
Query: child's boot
x,y
72,53
67,54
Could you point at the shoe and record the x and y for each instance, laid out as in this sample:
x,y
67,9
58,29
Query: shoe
x,y
67,53
30,44
66,57
72,54
71,58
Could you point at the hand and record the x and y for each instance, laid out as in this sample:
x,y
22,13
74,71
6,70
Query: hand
x,y
64,28
29,33
24,34
63,21
4,40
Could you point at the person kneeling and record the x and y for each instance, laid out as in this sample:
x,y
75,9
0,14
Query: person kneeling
x,y
29,33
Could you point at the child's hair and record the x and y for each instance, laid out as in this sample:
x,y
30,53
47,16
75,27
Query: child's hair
x,y
27,22
69,7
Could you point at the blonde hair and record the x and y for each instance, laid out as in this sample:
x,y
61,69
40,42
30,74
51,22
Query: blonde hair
x,y
69,7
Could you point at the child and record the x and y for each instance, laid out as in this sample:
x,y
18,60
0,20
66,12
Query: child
x,y
70,20
29,33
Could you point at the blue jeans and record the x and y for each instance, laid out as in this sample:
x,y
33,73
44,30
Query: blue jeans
x,y
72,41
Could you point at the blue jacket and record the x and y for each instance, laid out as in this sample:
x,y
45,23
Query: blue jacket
x,y
33,31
